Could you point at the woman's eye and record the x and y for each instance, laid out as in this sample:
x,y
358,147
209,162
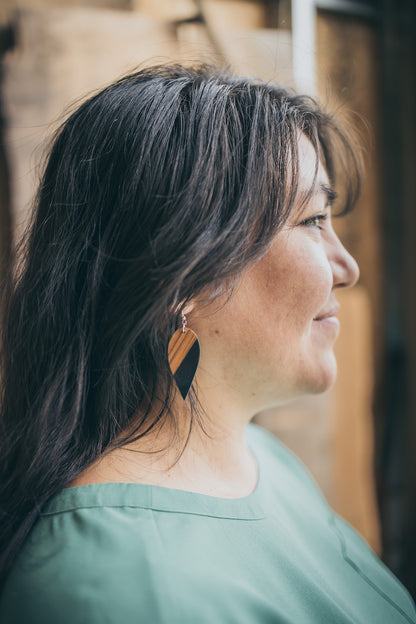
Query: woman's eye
x,y
315,221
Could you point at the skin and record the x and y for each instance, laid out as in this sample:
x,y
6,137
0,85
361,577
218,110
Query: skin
x,y
266,344
271,342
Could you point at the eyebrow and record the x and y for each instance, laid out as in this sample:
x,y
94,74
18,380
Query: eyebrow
x,y
330,193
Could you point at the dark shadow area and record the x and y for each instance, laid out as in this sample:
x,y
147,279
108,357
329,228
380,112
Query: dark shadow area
x,y
395,399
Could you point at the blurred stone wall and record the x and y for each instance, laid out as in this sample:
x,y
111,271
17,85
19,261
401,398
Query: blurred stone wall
x,y
65,51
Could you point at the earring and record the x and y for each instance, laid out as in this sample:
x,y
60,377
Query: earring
x,y
183,357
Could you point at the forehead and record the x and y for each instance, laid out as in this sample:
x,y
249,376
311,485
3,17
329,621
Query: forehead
x,y
310,167
313,181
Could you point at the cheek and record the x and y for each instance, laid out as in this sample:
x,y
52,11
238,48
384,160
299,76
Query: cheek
x,y
290,289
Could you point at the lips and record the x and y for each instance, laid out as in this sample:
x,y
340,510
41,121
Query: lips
x,y
325,314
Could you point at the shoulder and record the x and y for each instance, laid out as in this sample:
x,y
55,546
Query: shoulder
x,y
86,565
282,473
273,452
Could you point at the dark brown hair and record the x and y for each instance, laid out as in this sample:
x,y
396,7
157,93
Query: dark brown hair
x,y
163,185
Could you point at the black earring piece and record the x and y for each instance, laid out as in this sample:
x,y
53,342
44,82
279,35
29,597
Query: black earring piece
x,y
183,355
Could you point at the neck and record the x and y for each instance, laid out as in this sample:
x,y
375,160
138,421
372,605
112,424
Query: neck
x,y
211,459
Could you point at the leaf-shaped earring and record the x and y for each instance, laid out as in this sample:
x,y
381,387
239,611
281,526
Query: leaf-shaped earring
x,y
183,356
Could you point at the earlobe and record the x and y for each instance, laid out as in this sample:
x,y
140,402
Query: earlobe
x,y
180,308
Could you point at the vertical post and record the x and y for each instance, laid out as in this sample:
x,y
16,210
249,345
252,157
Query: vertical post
x,y
304,45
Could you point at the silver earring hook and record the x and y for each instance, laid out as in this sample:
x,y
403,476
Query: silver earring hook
x,y
184,321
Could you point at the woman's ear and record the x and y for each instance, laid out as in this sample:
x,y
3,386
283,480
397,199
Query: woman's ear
x,y
187,309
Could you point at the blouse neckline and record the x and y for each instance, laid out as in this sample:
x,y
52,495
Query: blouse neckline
x,y
159,498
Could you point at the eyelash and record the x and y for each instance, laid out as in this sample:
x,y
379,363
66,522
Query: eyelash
x,y
315,221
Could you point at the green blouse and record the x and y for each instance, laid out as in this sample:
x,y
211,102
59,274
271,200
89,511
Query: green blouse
x,y
124,553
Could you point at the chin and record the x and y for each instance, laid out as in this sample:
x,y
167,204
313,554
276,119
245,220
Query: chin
x,y
324,376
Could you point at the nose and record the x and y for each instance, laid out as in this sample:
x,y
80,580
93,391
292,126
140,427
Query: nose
x,y
345,269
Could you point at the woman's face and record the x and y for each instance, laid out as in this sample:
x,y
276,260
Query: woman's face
x,y
273,339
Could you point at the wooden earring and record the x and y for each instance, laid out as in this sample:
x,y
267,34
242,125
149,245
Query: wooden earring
x,y
183,357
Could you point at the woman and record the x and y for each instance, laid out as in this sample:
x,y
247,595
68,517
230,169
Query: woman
x,y
184,216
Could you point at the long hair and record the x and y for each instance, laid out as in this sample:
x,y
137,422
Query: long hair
x,y
165,185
